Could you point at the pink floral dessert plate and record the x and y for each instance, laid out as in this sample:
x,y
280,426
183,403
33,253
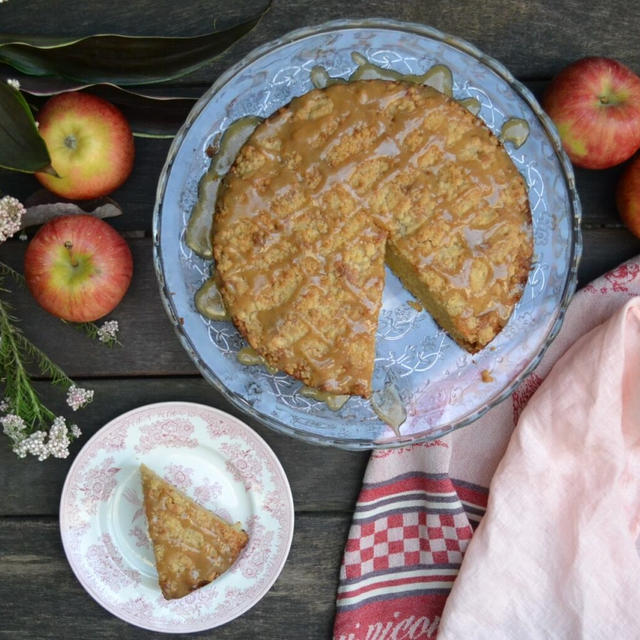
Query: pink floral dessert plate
x,y
214,458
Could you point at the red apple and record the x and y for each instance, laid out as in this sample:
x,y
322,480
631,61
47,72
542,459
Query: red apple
x,y
78,267
628,196
595,104
90,144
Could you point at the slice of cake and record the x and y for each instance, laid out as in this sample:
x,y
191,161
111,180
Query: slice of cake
x,y
192,545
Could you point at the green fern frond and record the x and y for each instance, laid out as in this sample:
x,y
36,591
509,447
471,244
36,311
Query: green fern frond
x,y
20,394
46,366
6,270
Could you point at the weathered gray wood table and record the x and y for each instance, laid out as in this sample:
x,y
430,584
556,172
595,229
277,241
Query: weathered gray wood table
x,y
39,595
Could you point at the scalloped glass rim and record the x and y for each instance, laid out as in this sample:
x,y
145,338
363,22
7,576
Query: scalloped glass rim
x,y
567,173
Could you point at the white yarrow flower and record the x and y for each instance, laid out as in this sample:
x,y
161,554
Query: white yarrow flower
x,y
11,212
108,332
12,82
40,443
58,445
75,431
14,427
34,445
4,406
78,397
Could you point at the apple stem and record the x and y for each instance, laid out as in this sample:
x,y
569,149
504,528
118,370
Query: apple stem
x,y
69,246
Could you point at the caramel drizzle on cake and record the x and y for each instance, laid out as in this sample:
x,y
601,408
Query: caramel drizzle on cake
x,y
344,179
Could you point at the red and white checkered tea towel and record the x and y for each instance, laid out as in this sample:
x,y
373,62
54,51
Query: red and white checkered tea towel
x,y
419,505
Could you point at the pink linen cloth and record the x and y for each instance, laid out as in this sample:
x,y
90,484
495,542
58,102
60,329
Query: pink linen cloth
x,y
419,505
555,556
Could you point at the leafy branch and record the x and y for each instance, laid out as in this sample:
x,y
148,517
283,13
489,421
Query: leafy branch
x,y
6,270
29,424
15,350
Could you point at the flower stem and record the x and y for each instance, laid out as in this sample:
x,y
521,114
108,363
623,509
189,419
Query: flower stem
x,y
18,386
6,270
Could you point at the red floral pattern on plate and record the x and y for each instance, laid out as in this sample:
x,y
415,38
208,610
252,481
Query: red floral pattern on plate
x,y
233,593
98,484
217,427
198,601
275,504
172,433
132,497
115,440
142,539
257,552
138,607
207,492
179,476
243,465
108,564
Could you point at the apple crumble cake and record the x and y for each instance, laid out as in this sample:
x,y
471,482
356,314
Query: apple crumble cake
x,y
338,183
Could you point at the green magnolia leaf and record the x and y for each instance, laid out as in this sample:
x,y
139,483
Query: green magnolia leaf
x,y
21,147
147,115
123,60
